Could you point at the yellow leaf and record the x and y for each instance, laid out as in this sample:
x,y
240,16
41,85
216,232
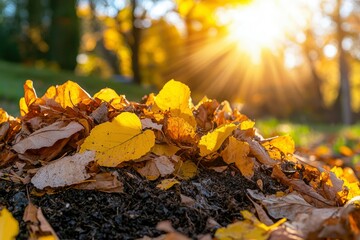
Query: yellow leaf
x,y
4,116
180,130
212,141
237,152
175,98
280,147
186,170
167,184
9,227
250,228
68,94
29,97
247,124
165,149
106,94
120,140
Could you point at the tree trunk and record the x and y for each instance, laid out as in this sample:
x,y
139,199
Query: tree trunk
x,y
64,33
344,98
135,45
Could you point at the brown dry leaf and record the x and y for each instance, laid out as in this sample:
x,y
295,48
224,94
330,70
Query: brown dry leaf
x,y
167,184
48,136
103,182
259,152
179,130
212,141
301,186
154,168
120,140
64,172
148,123
304,217
280,147
187,201
45,227
38,226
237,152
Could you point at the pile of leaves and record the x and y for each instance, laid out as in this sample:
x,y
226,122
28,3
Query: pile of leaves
x,y
68,139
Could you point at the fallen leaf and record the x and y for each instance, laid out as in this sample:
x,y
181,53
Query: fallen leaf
x,y
179,130
48,136
159,166
212,141
106,94
148,123
9,227
186,170
4,117
29,97
64,172
175,98
303,217
280,147
237,152
247,124
250,228
187,201
167,184
164,149
300,186
45,227
68,94
103,182
259,152
120,140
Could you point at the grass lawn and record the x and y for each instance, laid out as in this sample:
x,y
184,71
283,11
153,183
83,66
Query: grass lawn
x,y
13,76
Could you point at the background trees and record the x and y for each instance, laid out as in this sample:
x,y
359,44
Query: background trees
x,y
307,61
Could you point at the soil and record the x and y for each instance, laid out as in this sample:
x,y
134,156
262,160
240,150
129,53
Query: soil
x,y
83,214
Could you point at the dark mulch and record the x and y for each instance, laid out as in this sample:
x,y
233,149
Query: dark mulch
x,y
80,214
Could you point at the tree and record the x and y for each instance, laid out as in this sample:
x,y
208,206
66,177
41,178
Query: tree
x,y
64,36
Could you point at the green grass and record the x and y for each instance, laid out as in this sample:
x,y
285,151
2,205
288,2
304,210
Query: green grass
x,y
13,76
308,135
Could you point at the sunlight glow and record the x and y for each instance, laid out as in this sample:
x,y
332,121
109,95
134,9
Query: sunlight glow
x,y
263,24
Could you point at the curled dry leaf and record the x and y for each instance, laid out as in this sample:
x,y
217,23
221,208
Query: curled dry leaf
x,y
259,152
154,168
237,152
304,217
103,182
48,136
37,224
120,140
64,172
300,186
148,123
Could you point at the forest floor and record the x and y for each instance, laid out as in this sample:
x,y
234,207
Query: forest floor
x,y
196,207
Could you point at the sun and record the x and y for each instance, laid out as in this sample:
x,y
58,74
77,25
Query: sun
x,y
261,24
